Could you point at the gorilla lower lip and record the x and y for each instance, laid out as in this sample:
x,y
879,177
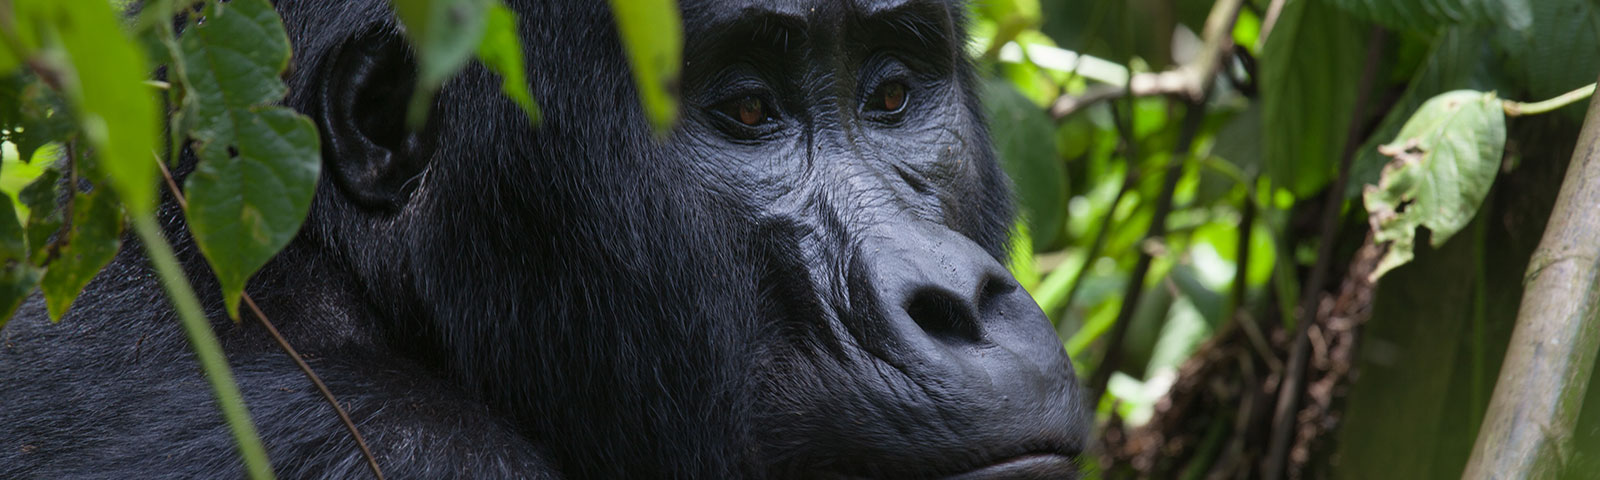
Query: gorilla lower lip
x,y
1036,466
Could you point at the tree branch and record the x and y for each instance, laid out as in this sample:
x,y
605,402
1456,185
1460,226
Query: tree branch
x,y
1547,367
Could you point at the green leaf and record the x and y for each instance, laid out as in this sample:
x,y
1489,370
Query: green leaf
x,y
1556,53
1425,15
91,242
1445,159
501,51
1310,69
1459,60
40,198
653,36
17,276
1024,138
114,108
258,163
445,34
31,114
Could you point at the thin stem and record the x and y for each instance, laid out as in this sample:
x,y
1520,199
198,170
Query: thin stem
x,y
1517,109
207,350
299,360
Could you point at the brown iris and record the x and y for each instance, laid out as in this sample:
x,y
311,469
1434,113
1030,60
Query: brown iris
x,y
749,111
892,97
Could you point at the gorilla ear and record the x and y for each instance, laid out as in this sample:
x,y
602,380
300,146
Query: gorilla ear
x,y
364,88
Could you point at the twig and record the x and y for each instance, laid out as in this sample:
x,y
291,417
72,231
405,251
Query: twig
x,y
1310,292
1191,81
1124,126
1135,288
299,361
1548,365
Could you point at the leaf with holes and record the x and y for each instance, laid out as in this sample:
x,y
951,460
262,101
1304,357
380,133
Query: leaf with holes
x,y
653,36
258,162
89,243
1444,161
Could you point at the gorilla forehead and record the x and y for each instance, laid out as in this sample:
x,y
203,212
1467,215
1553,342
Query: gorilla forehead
x,y
707,15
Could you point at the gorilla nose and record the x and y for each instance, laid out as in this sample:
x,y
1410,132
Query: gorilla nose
x,y
954,303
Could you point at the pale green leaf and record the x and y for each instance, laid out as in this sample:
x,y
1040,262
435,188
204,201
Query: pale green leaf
x,y
1444,161
258,163
1310,69
653,36
91,241
1459,60
501,51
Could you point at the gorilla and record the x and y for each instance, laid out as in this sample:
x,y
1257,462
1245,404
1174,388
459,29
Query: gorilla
x,y
802,279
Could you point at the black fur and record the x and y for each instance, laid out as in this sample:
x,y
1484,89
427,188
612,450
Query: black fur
x,y
817,297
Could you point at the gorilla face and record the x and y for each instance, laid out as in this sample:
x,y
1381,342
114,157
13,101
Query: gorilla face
x,y
801,279
850,132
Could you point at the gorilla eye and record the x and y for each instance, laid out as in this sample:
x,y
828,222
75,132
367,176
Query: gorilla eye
x,y
748,110
890,98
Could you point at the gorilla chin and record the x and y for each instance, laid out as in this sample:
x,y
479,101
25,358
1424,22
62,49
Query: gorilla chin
x,y
803,279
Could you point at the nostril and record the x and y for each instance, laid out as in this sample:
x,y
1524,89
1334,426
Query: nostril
x,y
993,288
944,316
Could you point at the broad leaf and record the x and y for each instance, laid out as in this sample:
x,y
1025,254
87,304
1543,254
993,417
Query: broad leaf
x,y
17,276
1459,60
258,163
1426,15
1025,141
1444,161
1310,69
653,36
501,51
445,34
1556,53
114,108
89,244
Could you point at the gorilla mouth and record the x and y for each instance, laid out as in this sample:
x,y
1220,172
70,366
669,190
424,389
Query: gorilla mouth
x,y
1031,466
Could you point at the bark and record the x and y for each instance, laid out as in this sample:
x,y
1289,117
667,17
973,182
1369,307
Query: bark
x,y
1537,399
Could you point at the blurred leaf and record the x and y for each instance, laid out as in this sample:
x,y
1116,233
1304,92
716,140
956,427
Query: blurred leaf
x,y
1424,15
17,276
1445,159
258,163
1460,59
31,114
501,51
1023,137
115,109
445,34
1556,53
91,242
1021,263
653,36
40,197
1310,69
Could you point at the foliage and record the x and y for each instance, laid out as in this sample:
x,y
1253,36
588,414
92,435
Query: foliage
x,y
81,121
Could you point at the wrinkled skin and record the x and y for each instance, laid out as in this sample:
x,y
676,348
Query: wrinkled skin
x,y
801,280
